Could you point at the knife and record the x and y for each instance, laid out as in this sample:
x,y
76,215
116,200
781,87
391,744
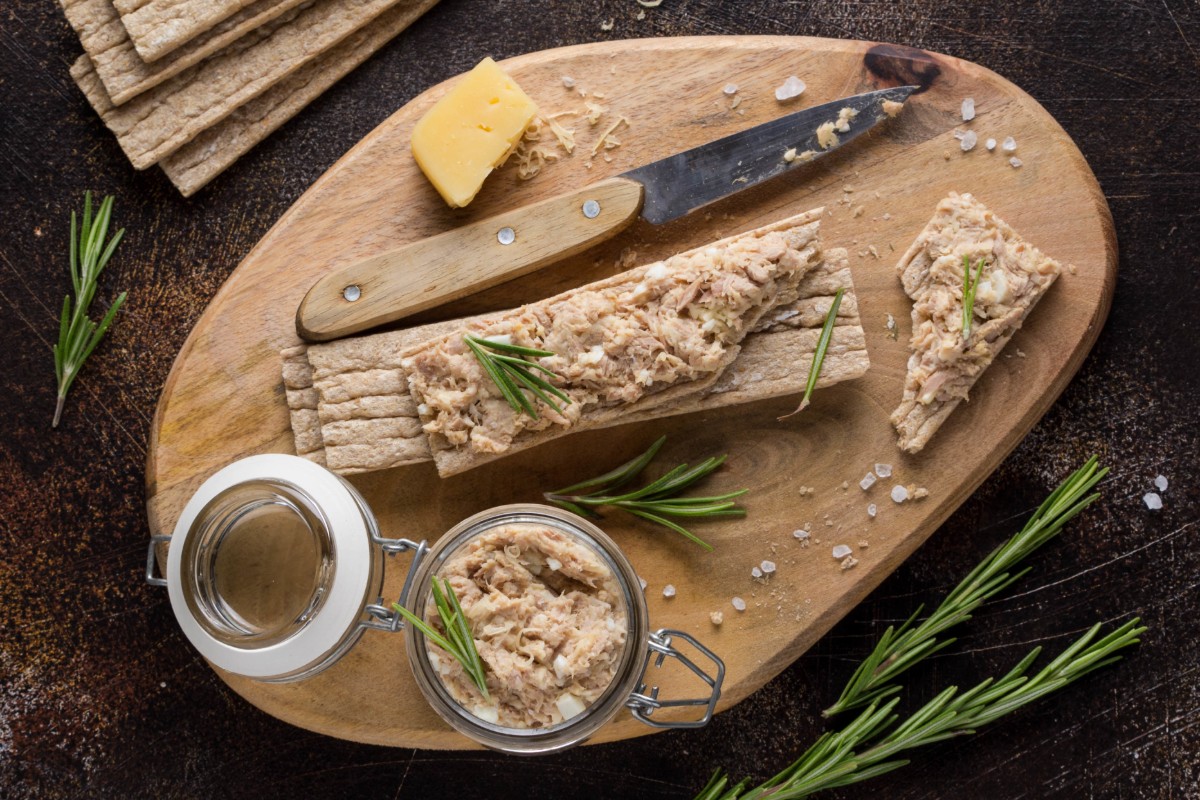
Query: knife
x,y
424,274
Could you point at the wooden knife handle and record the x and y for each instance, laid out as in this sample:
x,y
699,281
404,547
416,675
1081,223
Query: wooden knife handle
x,y
427,273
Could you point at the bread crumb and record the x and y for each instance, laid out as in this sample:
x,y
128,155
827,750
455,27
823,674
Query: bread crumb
x,y
826,138
848,563
716,617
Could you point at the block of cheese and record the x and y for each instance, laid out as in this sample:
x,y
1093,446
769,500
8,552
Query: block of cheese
x,y
470,131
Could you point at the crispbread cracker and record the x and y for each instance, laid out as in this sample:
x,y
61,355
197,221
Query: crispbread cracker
x,y
216,148
774,362
123,72
158,122
158,27
802,248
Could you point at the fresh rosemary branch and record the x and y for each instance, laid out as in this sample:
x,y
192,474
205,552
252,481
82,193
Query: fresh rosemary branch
x,y
77,334
969,287
839,758
509,367
458,640
899,649
814,371
656,500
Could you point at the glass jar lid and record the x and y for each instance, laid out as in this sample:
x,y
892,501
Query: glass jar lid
x,y
270,567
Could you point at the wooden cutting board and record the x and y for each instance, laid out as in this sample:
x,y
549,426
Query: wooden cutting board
x,y
224,398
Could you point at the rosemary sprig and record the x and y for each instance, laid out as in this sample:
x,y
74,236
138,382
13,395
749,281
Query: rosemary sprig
x,y
656,500
899,649
509,368
839,758
814,371
969,287
77,334
458,640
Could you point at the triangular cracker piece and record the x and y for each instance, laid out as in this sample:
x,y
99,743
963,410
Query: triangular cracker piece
x,y
637,340
943,368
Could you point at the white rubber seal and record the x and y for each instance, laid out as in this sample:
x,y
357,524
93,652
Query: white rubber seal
x,y
342,608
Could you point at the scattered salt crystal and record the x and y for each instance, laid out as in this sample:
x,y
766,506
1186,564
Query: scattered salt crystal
x,y
899,493
883,470
990,144
867,482
1010,144
841,551
768,567
755,573
730,89
1016,162
738,603
669,590
716,617
1160,483
568,81
960,135
872,510
968,110
802,535
968,141
1152,501
642,581
792,87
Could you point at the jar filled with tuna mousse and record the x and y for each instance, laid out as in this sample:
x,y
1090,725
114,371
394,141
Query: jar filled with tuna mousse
x,y
275,570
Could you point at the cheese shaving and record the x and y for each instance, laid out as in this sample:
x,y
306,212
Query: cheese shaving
x,y
606,141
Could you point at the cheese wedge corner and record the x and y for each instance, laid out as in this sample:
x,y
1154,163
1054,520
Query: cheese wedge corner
x,y
471,131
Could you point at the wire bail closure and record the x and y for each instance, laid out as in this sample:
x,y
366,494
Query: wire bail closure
x,y
643,705
383,617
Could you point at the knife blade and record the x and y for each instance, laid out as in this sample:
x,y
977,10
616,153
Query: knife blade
x,y
427,273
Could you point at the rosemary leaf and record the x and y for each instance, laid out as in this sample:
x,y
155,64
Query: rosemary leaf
x,y
512,375
657,500
814,371
77,334
458,641
899,649
968,292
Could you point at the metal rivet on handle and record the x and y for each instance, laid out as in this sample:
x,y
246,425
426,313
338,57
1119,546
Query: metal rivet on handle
x,y
591,209
506,235
352,293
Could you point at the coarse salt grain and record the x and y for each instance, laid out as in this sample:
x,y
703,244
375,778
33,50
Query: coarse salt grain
x,y
730,89
841,551
1010,144
738,603
642,581
968,110
792,87
755,573
968,141
568,81
669,590
802,535
1016,162
990,144
899,493
1152,501
768,567
867,482
883,470
872,510
1160,483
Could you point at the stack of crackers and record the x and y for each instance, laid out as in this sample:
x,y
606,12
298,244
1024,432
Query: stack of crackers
x,y
190,85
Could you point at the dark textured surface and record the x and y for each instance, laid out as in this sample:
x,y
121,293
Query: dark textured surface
x,y
100,696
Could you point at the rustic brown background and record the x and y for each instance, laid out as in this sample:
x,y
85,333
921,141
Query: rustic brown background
x,y
100,696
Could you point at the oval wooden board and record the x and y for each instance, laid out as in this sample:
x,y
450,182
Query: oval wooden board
x,y
224,398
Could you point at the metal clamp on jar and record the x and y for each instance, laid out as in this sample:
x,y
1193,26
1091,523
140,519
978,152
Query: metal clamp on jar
x,y
276,569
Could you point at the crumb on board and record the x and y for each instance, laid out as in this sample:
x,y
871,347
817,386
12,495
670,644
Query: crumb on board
x,y
716,617
848,562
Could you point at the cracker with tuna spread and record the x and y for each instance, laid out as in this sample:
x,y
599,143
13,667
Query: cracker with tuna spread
x,y
625,344
943,367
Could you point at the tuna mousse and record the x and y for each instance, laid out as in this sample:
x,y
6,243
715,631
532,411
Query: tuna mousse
x,y
548,619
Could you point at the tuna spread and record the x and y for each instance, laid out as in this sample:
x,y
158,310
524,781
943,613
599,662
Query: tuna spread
x,y
548,620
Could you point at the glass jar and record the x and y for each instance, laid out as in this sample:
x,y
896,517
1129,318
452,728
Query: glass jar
x,y
275,569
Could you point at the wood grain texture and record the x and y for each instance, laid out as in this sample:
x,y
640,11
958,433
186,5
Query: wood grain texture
x,y
104,698
224,399
468,259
